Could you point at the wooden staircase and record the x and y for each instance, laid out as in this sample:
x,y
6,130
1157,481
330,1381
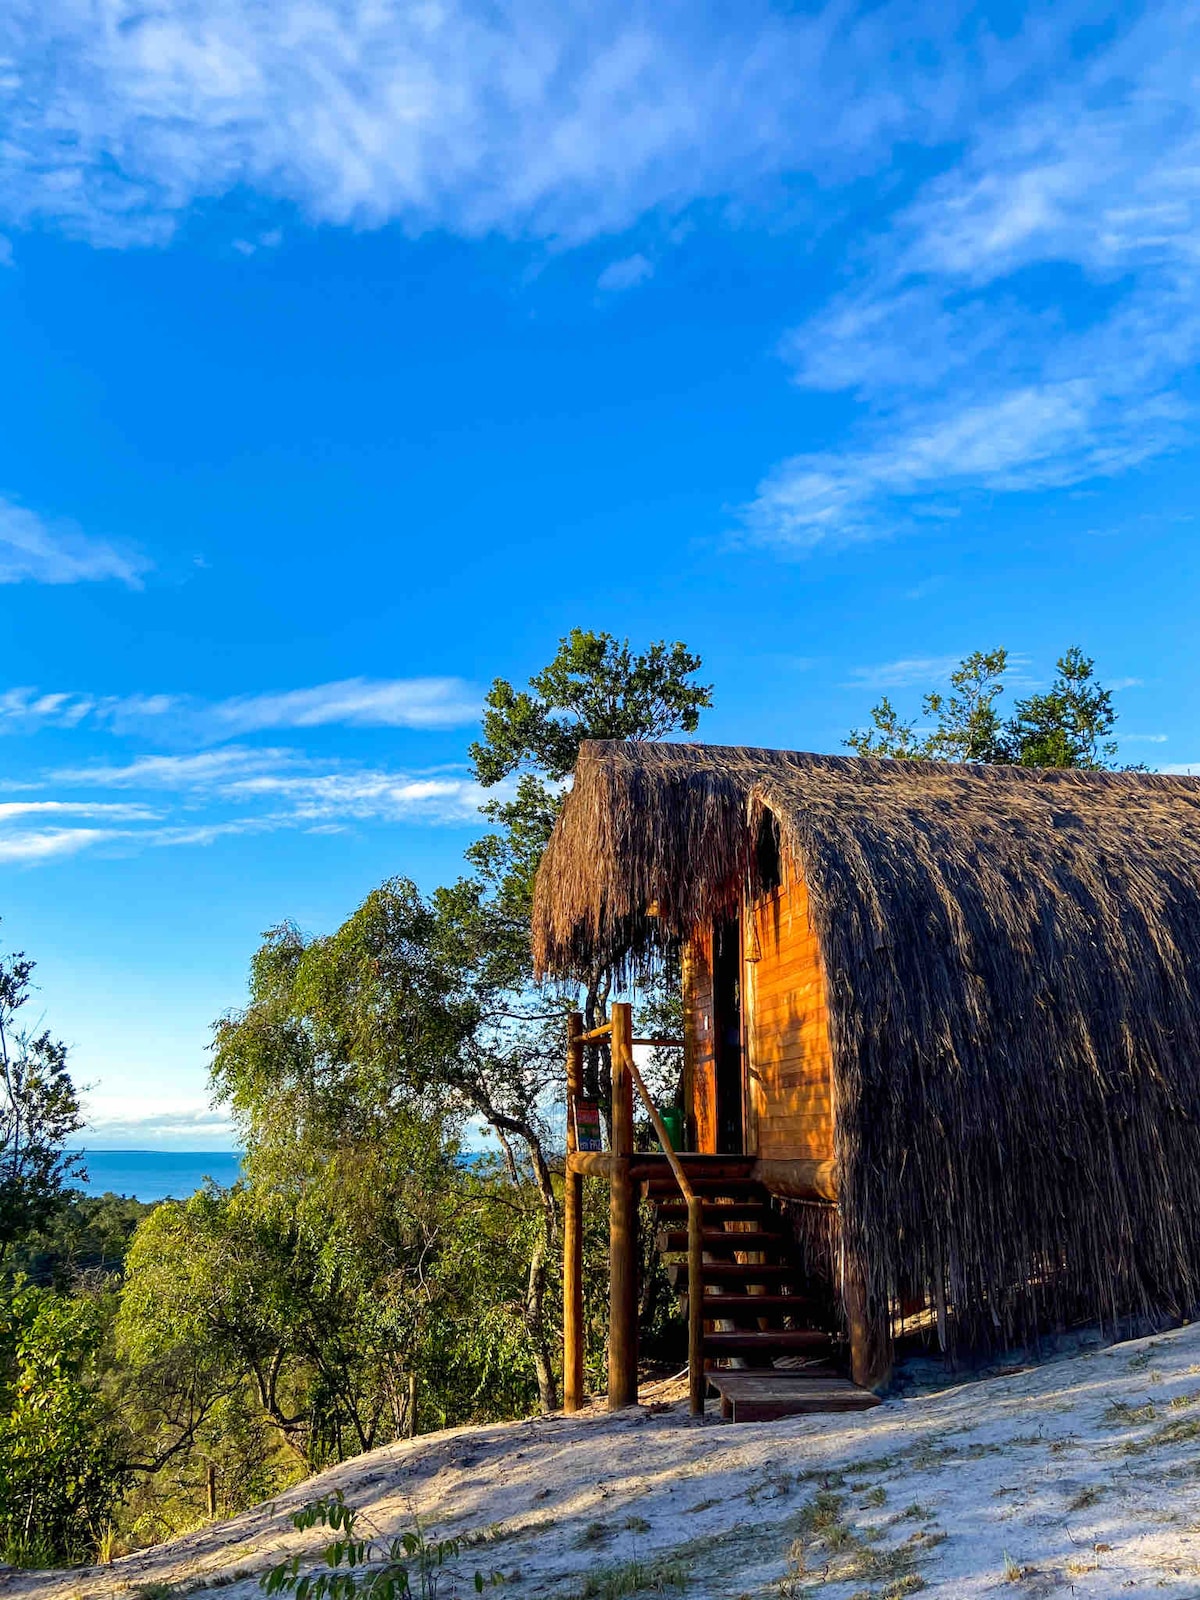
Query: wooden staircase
x,y
770,1345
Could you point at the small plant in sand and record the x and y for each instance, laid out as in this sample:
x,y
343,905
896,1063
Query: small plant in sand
x,y
366,1568
1085,1498
1121,1414
661,1575
829,1551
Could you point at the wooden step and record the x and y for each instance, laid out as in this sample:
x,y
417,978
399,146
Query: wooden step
x,y
674,1239
756,1305
715,1211
700,1168
775,1342
766,1396
734,1188
736,1272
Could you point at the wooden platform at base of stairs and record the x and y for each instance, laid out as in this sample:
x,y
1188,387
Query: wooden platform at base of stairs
x,y
765,1396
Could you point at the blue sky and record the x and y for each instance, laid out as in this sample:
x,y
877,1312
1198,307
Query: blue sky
x,y
355,352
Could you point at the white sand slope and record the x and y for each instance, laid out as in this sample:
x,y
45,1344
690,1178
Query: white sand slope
x,y
1081,1477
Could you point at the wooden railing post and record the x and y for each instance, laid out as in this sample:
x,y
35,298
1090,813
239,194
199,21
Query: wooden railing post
x,y
573,1230
695,1239
622,1305
696,1380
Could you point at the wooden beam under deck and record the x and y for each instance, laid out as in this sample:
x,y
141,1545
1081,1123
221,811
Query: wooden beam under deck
x,y
794,1180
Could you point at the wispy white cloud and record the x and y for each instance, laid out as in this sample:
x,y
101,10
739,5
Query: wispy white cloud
x,y
1144,738
1036,437
47,844
625,274
205,797
1026,322
25,710
11,810
202,771
913,671
563,122
183,1128
33,550
349,703
387,796
925,672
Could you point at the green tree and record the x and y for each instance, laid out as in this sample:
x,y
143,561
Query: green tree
x,y
82,1245
39,1111
62,1465
271,1329
596,687
1068,726
351,1073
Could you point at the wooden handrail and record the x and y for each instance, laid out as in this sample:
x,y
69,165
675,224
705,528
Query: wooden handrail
x,y
573,1229
618,1163
681,1177
660,1044
695,1249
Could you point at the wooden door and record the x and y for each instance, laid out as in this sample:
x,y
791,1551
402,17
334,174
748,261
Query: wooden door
x,y
728,1052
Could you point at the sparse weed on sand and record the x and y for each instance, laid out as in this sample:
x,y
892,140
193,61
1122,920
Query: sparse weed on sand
x,y
1142,1360
658,1576
1085,1498
1120,1414
829,1551
595,1533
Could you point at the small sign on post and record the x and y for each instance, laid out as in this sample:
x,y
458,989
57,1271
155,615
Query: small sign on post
x,y
587,1125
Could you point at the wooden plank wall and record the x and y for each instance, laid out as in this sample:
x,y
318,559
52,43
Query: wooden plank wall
x,y
787,1025
700,1089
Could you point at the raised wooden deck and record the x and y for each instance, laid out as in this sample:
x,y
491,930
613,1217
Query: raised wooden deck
x,y
766,1396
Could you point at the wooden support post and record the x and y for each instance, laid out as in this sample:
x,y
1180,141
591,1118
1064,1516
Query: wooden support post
x,y
622,1223
870,1330
696,1380
412,1406
210,1485
573,1230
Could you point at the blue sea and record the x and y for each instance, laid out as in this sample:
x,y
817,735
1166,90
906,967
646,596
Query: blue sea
x,y
157,1174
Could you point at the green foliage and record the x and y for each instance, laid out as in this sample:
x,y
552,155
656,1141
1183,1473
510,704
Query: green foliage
x,y
62,1468
304,1299
1068,726
39,1111
365,1567
82,1244
161,1365
339,1027
596,687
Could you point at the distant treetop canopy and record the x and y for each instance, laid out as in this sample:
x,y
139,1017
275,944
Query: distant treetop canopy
x,y
1068,726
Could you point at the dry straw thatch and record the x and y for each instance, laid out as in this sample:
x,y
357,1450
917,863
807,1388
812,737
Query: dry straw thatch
x,y
1013,966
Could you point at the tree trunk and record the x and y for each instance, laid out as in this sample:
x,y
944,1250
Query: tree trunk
x,y
535,1322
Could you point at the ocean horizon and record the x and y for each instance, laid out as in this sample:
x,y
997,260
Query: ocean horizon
x,y
149,1175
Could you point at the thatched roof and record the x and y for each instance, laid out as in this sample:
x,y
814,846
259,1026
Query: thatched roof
x,y
1013,963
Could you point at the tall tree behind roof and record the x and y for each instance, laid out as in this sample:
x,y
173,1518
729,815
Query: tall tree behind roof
x,y
1068,725
596,687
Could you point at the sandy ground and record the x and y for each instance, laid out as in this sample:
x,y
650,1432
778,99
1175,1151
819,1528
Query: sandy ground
x,y
1081,1477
